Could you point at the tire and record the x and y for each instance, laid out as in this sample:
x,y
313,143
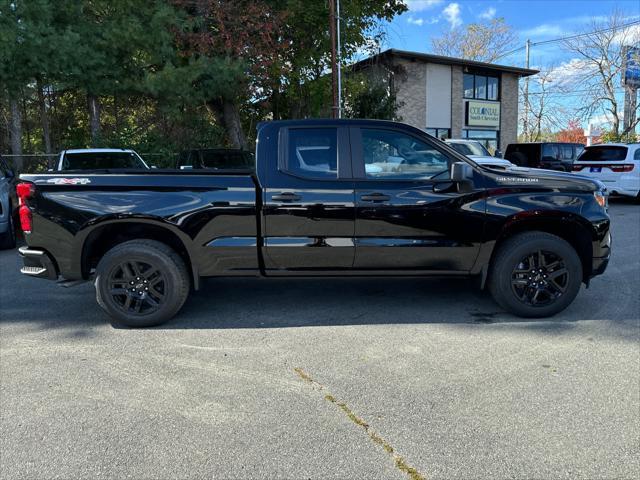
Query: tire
x,y
517,273
8,238
143,273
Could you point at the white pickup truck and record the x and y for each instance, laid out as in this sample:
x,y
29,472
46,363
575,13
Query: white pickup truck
x,y
98,159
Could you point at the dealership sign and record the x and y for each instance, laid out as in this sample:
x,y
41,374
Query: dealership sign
x,y
631,68
483,114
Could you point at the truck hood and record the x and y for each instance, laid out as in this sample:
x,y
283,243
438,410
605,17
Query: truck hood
x,y
537,177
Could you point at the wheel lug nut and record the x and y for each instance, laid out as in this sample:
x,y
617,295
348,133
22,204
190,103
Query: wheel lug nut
x,y
146,288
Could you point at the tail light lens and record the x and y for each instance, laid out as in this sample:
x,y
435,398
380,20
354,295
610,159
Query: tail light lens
x,y
627,167
618,168
24,192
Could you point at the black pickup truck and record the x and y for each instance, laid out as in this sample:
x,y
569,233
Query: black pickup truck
x,y
327,198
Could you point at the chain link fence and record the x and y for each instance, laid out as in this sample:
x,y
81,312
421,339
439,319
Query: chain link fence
x,y
41,162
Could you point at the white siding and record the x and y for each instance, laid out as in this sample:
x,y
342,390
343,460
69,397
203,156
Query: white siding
x,y
438,96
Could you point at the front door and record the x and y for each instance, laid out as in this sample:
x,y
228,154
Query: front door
x,y
309,209
409,216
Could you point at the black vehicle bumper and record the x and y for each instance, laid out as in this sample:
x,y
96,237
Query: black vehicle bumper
x,y
602,254
37,263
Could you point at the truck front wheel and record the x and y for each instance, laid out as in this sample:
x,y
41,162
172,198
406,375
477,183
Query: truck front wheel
x,y
535,274
141,283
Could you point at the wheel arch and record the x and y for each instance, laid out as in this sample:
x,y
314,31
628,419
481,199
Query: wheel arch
x,y
572,228
103,237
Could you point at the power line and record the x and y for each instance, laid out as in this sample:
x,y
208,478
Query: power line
x,y
570,37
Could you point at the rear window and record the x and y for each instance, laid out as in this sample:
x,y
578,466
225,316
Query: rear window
x,y
100,160
603,153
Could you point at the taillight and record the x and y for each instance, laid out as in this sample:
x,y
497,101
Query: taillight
x,y
24,192
627,167
577,168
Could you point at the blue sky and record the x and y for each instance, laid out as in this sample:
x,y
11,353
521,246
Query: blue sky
x,y
536,20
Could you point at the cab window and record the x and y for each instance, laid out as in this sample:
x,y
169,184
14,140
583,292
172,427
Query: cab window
x,y
390,154
313,152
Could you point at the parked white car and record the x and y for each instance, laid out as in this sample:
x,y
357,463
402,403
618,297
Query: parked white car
x,y
99,159
617,165
478,153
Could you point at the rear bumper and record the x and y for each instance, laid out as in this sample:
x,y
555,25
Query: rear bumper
x,y
37,263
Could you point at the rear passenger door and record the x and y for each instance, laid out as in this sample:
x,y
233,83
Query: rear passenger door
x,y
309,209
409,217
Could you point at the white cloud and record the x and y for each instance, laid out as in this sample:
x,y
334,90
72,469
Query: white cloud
x,y
569,73
420,5
544,30
452,15
488,14
628,36
415,21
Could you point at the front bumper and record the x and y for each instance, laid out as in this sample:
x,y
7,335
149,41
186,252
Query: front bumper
x,y
603,251
37,263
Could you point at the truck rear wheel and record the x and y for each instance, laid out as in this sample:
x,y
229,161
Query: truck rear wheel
x,y
535,274
141,283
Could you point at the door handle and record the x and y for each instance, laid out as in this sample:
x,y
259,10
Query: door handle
x,y
286,197
375,197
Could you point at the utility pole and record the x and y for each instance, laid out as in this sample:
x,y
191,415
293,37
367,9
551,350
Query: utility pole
x,y
335,109
526,93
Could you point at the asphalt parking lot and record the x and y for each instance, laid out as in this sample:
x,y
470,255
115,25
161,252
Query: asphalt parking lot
x,y
339,378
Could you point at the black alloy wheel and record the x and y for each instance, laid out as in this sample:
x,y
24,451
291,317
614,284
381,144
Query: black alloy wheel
x,y
137,287
142,283
535,274
540,278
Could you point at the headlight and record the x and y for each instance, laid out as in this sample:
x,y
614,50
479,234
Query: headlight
x,y
601,198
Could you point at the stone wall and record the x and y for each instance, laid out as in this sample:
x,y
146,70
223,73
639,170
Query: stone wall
x,y
508,110
457,104
411,92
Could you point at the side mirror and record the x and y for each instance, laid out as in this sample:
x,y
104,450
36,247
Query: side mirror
x,y
10,174
461,172
498,154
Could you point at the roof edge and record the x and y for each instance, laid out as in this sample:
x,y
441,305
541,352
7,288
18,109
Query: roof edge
x,y
431,58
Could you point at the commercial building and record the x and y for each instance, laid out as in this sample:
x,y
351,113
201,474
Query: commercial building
x,y
451,97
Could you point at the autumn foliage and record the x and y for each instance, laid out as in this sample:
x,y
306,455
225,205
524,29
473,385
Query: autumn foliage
x,y
574,133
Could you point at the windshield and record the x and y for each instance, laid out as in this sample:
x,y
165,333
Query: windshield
x,y
595,154
101,160
469,149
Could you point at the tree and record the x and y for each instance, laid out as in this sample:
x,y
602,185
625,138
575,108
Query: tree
x,y
483,42
542,110
600,55
573,133
303,91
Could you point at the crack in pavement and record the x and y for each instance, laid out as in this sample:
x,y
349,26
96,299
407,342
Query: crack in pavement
x,y
398,460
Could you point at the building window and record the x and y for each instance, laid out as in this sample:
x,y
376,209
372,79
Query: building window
x,y
439,133
489,138
481,87
468,85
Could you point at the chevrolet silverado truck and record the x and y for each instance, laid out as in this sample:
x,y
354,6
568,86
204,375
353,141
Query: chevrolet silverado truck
x,y
327,198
